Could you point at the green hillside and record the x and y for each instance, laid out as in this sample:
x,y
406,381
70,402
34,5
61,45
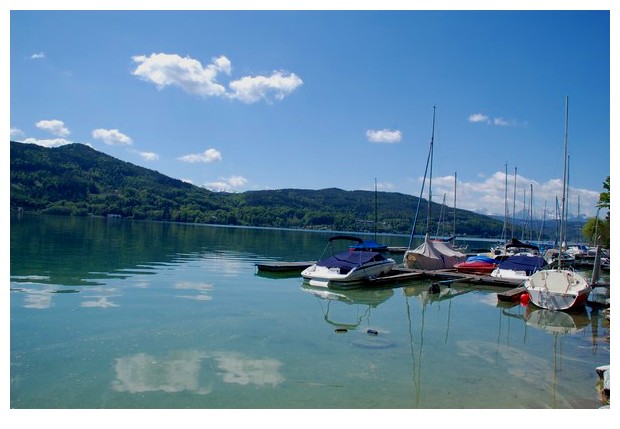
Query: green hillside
x,y
78,180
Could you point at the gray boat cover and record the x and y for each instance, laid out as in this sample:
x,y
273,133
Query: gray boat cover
x,y
433,255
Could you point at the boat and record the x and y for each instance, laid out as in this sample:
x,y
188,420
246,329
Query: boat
x,y
371,245
519,267
514,247
433,255
437,254
558,288
347,268
478,264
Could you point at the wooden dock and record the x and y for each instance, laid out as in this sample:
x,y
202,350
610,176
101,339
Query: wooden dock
x,y
280,266
512,295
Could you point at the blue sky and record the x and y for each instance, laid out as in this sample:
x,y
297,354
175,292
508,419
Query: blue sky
x,y
268,99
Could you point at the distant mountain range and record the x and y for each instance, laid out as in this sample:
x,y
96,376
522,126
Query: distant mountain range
x,y
77,180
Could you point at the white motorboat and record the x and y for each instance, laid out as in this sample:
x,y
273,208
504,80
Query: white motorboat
x,y
343,269
519,267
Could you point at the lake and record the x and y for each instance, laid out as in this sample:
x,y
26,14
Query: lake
x,y
115,313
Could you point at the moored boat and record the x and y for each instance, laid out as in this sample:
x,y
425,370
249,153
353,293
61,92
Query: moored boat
x,y
478,264
557,289
519,267
347,268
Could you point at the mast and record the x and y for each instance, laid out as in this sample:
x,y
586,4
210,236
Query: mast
x,y
430,176
428,160
562,219
376,216
454,225
542,225
505,228
531,209
514,201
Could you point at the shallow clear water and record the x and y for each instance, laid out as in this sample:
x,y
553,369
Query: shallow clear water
x,y
124,314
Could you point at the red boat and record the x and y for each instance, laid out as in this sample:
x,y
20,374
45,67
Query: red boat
x,y
477,265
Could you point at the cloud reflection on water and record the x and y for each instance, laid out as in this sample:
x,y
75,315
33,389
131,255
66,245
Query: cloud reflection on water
x,y
183,370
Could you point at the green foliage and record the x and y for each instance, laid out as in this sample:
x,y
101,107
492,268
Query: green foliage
x,y
604,198
77,180
597,231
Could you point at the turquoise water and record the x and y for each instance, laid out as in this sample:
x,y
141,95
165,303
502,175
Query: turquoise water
x,y
124,314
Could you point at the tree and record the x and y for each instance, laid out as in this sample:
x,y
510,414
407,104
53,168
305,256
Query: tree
x,y
604,199
598,230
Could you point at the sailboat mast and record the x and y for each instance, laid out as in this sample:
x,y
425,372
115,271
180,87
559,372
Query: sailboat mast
x,y
505,228
430,176
417,210
531,209
454,226
514,202
376,215
562,223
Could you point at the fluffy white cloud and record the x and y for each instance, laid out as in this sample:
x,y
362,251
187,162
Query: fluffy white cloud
x,y
251,89
185,72
384,136
226,184
478,117
209,155
111,137
149,156
16,132
53,126
37,56
47,142
192,77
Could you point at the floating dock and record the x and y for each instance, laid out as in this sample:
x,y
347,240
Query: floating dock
x,y
279,266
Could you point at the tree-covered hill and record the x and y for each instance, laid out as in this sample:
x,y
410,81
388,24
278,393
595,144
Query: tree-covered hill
x,y
78,180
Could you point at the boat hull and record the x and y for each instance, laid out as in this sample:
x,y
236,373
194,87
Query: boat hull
x,y
322,276
475,267
557,289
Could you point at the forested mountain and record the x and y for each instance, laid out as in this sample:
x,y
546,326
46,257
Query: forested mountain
x,y
78,180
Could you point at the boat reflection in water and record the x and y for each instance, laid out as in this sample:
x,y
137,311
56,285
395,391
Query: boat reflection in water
x,y
427,294
367,299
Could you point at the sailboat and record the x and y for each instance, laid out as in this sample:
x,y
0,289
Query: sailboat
x,y
431,254
558,288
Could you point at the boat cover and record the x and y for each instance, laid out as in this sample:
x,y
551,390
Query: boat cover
x,y
482,258
369,245
521,245
529,264
346,261
434,255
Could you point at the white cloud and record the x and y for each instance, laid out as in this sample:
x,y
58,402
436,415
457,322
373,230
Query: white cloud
x,y
499,121
478,117
111,137
149,156
192,77
384,136
226,184
503,122
47,142
186,73
37,56
209,155
488,195
53,126
251,89
16,132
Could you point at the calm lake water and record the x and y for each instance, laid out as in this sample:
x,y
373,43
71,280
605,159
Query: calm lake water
x,y
126,314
